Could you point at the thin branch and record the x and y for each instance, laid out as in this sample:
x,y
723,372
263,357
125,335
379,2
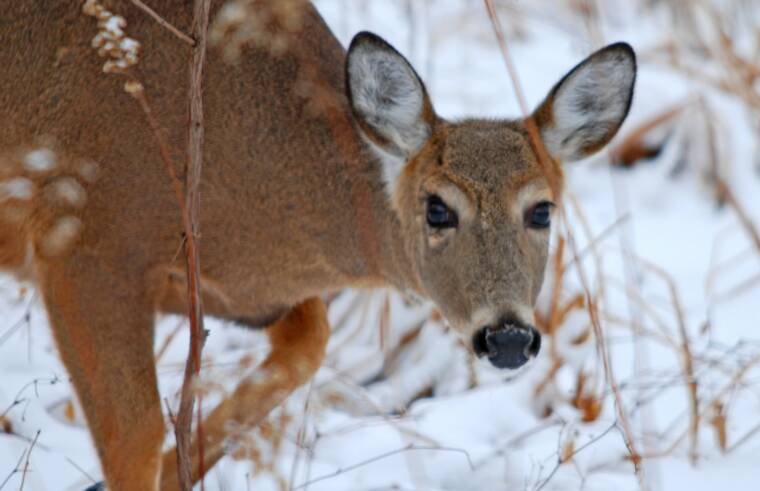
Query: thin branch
x,y
687,357
578,450
187,399
26,462
19,400
516,440
183,428
167,341
741,213
744,439
13,471
736,290
300,437
79,468
16,326
625,217
407,448
135,89
184,37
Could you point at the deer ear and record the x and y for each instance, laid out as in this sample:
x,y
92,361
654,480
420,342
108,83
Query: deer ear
x,y
586,108
389,102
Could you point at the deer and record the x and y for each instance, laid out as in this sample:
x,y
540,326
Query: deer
x,y
455,212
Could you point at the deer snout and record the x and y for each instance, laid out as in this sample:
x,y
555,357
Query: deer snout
x,y
507,345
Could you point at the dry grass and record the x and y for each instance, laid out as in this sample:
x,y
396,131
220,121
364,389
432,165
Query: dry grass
x,y
703,47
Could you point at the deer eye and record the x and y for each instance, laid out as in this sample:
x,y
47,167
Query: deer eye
x,y
539,216
439,215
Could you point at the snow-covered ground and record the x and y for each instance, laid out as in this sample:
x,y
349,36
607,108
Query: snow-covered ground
x,y
396,411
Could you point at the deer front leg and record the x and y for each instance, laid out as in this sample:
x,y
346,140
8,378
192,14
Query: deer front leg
x,y
103,327
298,346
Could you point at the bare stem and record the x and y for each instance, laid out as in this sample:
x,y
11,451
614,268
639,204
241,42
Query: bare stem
x,y
741,213
183,422
26,461
687,358
407,448
184,37
182,429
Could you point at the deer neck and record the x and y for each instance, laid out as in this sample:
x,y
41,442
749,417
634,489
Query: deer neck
x,y
379,256
397,263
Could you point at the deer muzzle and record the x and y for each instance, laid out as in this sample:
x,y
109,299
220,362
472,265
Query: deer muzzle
x,y
508,344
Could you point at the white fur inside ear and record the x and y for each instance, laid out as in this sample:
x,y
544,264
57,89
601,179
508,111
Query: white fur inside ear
x,y
387,95
590,104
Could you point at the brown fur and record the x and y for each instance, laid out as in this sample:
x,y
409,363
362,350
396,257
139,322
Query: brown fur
x,y
279,217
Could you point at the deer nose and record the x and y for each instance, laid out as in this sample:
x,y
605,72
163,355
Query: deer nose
x,y
508,345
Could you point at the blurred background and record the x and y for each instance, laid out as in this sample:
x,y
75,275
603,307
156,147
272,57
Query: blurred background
x,y
660,254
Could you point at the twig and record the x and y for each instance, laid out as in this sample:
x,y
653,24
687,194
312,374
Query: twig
x,y
622,219
406,448
167,341
135,89
300,437
744,439
718,267
182,429
183,421
13,471
688,359
18,399
736,290
578,450
741,213
735,379
16,326
79,468
24,320
26,462
627,240
517,440
184,37
188,204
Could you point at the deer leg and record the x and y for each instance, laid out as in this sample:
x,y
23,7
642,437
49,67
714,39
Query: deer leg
x,y
298,346
103,326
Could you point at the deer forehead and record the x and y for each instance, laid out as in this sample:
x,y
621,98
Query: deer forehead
x,y
492,165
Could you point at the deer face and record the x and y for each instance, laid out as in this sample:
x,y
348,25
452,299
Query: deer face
x,y
473,202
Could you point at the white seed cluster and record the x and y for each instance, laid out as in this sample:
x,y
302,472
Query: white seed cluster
x,y
111,41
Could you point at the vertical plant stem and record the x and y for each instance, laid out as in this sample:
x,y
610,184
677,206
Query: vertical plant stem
x,y
26,461
182,429
687,359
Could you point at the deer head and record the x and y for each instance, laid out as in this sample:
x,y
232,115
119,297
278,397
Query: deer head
x,y
473,203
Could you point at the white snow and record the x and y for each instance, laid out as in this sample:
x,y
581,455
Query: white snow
x,y
357,431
